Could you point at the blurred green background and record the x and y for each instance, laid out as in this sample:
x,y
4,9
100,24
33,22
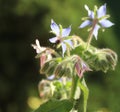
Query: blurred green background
x,y
21,22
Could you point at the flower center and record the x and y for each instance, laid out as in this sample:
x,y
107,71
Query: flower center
x,y
59,40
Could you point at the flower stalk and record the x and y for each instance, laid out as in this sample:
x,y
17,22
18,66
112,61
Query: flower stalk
x,y
91,34
74,86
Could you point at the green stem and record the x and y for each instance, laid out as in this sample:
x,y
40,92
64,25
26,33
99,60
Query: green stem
x,y
74,86
68,51
89,38
85,92
91,33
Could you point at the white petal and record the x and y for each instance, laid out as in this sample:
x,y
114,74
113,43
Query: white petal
x,y
106,23
55,27
37,43
101,11
85,23
95,32
90,13
63,48
53,40
66,31
86,7
37,47
34,46
38,51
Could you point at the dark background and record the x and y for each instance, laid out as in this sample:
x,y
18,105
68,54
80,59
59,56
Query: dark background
x,y
21,22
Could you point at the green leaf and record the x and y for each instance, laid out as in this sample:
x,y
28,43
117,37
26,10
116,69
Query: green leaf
x,y
55,106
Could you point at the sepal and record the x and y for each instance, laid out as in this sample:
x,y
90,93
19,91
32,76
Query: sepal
x,y
97,59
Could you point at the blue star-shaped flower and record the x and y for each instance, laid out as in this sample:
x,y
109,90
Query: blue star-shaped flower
x,y
96,19
61,33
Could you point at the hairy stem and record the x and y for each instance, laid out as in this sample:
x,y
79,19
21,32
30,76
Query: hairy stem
x,y
74,86
85,92
91,33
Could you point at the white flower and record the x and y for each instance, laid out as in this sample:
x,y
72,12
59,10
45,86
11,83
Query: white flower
x,y
37,47
45,52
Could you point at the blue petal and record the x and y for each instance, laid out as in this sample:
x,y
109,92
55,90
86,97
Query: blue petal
x,y
69,42
66,31
106,23
63,48
55,28
95,32
53,40
101,11
51,77
90,13
85,23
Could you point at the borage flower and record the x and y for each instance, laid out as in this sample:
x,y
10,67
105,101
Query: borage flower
x,y
61,33
37,47
81,67
45,53
96,19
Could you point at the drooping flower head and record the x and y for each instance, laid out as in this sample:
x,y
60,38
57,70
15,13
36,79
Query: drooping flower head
x,y
61,34
97,19
81,66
